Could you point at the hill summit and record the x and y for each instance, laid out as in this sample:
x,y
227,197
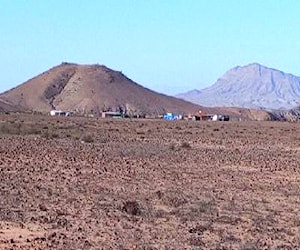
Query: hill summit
x,y
91,89
250,86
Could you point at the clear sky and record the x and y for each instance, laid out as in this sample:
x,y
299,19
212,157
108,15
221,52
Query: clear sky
x,y
170,46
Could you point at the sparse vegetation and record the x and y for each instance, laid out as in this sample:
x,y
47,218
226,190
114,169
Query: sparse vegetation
x,y
186,145
87,138
172,146
132,208
18,128
165,188
250,246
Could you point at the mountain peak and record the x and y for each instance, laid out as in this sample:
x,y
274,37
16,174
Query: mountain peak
x,y
254,65
251,86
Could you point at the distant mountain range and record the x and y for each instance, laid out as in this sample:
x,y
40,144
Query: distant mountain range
x,y
250,86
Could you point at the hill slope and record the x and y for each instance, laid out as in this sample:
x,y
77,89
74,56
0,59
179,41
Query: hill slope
x,y
251,86
91,89
6,106
292,115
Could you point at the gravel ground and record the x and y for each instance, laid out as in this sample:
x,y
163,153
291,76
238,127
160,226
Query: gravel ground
x,y
85,183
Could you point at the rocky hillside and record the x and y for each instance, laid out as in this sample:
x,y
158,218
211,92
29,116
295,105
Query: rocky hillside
x,y
250,86
91,89
292,115
7,107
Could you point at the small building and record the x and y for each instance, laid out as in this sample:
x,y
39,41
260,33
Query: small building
x,y
171,117
204,117
111,114
220,118
60,113
215,118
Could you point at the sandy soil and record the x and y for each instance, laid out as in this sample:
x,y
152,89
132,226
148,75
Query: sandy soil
x,y
79,183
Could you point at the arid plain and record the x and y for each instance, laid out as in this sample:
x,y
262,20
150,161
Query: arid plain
x,y
87,183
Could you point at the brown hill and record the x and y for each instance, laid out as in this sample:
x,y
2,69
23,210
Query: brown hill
x,y
91,89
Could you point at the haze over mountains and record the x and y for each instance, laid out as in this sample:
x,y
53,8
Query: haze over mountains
x,y
250,86
91,89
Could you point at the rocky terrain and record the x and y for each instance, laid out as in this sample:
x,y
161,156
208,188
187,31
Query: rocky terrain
x,y
292,115
79,183
251,86
91,89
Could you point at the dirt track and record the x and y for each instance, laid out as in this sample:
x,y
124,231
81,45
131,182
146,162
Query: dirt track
x,y
81,183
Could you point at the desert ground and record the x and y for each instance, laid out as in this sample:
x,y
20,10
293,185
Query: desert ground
x,y
87,183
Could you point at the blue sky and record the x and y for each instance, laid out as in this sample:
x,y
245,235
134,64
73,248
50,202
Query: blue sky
x,y
170,46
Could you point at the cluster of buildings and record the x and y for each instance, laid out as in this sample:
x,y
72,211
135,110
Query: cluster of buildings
x,y
167,116
200,117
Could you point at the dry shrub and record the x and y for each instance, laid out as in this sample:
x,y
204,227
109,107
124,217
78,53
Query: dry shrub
x,y
49,135
87,138
296,221
201,209
205,206
132,208
250,246
186,145
197,242
172,198
176,201
200,229
140,132
172,146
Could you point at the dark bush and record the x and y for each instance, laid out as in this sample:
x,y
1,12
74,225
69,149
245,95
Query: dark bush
x,y
186,145
132,208
87,138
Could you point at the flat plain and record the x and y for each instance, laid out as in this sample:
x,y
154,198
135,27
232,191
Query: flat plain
x,y
87,183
